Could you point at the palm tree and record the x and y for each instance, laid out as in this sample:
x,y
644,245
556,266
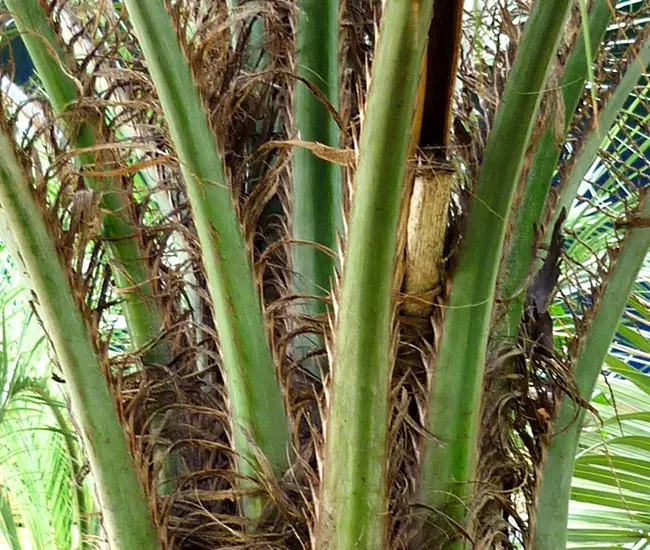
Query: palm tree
x,y
291,306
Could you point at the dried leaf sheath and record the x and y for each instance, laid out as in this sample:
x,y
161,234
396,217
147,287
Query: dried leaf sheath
x,y
426,229
455,403
433,177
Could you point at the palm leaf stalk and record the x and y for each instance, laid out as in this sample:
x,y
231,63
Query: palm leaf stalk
x,y
526,214
256,404
455,405
164,203
144,319
127,518
553,507
544,164
355,502
317,207
353,494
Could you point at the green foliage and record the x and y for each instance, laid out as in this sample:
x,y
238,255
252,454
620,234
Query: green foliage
x,y
609,496
44,501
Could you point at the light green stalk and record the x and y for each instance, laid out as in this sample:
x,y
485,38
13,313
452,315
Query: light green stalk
x,y
255,40
538,183
353,498
553,507
126,514
317,195
143,316
256,403
450,460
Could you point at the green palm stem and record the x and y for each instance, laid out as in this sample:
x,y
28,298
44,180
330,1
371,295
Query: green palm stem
x,y
317,184
553,506
528,212
449,463
258,419
127,518
353,499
